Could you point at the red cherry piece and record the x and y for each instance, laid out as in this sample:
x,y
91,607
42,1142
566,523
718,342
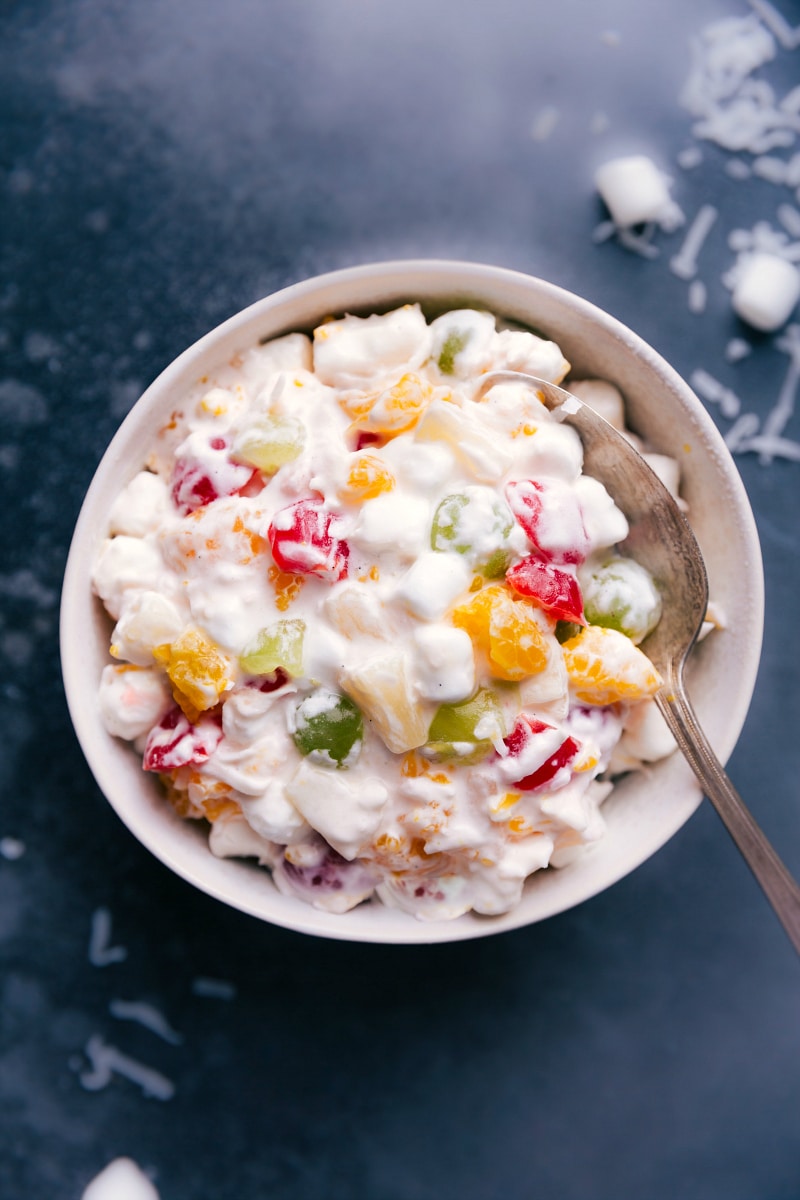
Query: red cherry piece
x,y
303,541
203,473
366,437
518,740
175,742
272,682
550,513
549,587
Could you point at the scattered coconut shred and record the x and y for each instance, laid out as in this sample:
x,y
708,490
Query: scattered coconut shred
x,y
100,1062
101,952
735,107
148,1016
106,1060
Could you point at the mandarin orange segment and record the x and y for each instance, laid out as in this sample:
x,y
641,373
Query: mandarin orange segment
x,y
506,630
219,806
393,410
517,643
210,798
500,808
198,671
412,765
356,404
604,667
179,798
403,855
287,586
475,617
367,477
400,406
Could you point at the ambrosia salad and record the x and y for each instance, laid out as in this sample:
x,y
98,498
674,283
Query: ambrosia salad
x,y
375,631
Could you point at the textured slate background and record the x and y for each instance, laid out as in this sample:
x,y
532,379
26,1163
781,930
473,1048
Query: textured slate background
x,y
161,166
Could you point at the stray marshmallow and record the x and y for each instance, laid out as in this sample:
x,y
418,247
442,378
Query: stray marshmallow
x,y
766,290
636,192
122,1179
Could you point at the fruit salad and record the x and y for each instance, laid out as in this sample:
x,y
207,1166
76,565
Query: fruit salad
x,y
376,632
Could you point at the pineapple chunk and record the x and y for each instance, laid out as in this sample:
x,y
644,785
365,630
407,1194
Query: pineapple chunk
x,y
446,421
347,814
383,689
354,609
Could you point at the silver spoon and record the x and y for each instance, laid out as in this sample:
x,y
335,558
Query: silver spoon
x,y
661,540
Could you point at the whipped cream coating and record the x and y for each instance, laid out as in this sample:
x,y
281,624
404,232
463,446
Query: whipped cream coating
x,y
349,628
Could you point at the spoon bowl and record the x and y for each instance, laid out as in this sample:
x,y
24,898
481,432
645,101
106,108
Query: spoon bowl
x,y
661,539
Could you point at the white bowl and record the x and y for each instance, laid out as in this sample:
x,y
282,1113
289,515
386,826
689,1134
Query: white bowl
x,y
645,809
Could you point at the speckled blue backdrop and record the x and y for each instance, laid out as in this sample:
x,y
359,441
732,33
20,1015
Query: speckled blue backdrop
x,y
162,164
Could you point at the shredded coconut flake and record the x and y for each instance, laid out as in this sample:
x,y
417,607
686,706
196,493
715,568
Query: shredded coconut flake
x,y
106,1061
603,231
689,158
741,432
723,56
789,38
780,415
768,448
737,349
737,168
544,123
715,392
101,953
684,264
733,109
639,243
789,218
697,296
774,170
213,989
148,1016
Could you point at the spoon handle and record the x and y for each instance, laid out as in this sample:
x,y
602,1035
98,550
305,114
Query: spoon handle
x,y
778,885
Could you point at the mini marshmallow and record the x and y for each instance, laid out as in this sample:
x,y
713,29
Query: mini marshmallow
x,y
430,586
132,700
396,521
444,663
603,397
345,812
766,290
231,836
140,507
635,192
646,737
668,471
122,1179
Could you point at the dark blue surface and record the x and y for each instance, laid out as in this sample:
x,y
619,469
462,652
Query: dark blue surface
x,y
163,165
